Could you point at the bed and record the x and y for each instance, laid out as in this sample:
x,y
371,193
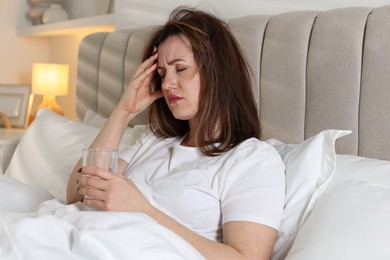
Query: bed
x,y
321,80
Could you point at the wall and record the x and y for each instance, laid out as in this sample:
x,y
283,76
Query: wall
x,y
136,13
19,53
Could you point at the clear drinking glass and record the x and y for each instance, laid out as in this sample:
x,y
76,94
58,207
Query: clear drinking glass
x,y
103,158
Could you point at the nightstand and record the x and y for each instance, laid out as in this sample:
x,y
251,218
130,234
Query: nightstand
x,y
9,139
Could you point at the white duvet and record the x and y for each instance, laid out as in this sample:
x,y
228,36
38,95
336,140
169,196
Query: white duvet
x,y
53,230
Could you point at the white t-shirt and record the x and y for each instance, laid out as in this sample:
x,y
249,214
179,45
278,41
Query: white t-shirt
x,y
246,183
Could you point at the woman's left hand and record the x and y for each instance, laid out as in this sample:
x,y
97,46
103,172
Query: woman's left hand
x,y
110,192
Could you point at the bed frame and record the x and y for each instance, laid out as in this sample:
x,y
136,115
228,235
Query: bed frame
x,y
312,70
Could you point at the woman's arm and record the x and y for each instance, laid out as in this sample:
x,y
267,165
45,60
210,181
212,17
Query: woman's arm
x,y
109,137
241,239
134,100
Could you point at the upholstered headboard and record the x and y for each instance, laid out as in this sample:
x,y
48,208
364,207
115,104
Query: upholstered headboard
x,y
311,71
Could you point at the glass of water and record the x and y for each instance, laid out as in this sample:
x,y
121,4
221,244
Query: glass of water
x,y
106,159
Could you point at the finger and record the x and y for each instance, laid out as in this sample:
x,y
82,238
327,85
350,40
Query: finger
x,y
97,172
146,64
148,74
91,186
93,203
144,79
137,80
90,192
151,60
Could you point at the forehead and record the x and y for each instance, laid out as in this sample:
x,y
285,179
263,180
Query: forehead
x,y
175,45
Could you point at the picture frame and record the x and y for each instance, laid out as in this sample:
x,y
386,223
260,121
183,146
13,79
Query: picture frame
x,y
14,104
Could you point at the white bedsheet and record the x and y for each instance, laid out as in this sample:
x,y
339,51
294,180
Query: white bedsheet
x,y
57,231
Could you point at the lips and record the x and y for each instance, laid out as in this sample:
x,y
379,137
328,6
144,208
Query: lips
x,y
173,98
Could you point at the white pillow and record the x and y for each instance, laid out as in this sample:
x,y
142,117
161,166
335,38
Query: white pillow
x,y
309,167
94,119
131,133
48,151
352,218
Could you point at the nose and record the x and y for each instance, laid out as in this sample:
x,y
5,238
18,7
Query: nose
x,y
168,82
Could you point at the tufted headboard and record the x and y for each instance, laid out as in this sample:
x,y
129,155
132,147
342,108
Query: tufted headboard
x,y
312,70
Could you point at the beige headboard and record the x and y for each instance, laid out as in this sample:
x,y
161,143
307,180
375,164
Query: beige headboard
x,y
311,71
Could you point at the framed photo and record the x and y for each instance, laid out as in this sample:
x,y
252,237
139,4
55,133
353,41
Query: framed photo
x,y
14,103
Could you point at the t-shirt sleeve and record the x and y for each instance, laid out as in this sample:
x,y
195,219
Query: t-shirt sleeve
x,y
129,154
254,187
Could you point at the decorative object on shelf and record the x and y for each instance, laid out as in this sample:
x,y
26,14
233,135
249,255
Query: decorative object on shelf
x,y
14,103
55,13
38,7
50,80
79,9
111,5
4,119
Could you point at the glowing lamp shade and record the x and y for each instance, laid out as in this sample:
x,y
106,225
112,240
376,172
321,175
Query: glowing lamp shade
x,y
50,80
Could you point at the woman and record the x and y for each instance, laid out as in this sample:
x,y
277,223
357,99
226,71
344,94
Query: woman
x,y
201,171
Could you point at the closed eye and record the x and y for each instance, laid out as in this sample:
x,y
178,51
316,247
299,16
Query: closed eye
x,y
162,72
180,69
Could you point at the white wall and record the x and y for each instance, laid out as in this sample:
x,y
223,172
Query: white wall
x,y
18,54
136,13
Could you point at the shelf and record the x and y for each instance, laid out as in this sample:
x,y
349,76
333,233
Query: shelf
x,y
102,22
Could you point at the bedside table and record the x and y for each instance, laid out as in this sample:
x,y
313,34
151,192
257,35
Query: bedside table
x,y
9,139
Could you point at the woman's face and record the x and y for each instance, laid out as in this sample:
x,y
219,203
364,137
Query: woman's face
x,y
180,78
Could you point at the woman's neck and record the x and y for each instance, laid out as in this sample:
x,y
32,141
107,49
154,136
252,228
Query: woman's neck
x,y
189,140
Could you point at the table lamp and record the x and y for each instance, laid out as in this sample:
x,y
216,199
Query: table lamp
x,y
50,80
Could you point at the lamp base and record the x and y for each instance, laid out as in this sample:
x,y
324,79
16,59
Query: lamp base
x,y
47,102
51,103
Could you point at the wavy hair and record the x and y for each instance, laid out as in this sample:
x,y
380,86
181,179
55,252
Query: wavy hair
x,y
226,98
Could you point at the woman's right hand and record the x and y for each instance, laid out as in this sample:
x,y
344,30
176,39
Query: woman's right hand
x,y
137,96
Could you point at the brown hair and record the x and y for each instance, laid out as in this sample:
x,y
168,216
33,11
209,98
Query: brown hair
x,y
226,97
